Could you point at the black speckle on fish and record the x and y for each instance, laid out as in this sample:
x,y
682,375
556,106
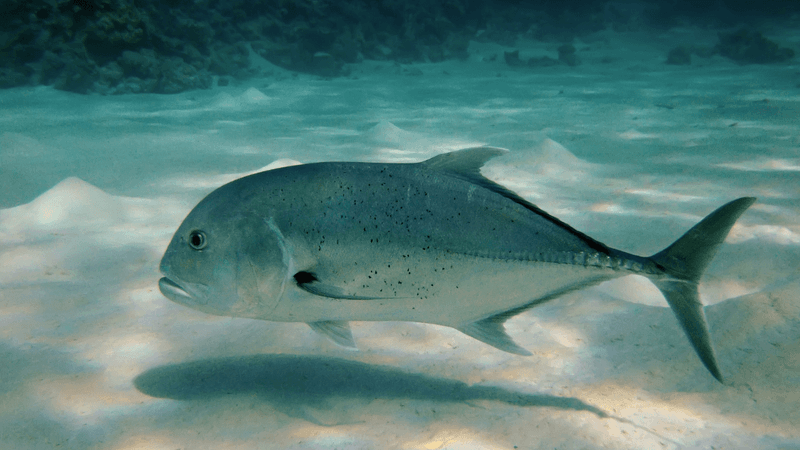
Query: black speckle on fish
x,y
304,277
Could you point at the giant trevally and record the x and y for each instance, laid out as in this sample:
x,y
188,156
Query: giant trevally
x,y
433,242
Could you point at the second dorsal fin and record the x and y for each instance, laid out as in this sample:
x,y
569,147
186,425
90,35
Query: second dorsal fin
x,y
466,164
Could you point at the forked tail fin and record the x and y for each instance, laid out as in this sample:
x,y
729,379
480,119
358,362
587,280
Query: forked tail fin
x,y
684,263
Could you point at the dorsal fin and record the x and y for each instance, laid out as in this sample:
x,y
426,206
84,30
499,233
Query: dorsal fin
x,y
466,164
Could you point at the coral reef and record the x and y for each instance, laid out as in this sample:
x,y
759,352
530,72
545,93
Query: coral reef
x,y
167,46
111,46
750,47
127,46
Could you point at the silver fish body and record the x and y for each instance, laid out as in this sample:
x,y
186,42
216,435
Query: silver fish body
x,y
431,242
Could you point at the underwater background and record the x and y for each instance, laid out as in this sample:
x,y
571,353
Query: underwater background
x,y
628,120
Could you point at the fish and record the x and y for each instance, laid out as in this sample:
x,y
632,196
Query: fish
x,y
432,242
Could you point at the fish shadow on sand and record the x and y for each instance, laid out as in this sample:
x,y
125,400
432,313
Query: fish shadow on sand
x,y
290,382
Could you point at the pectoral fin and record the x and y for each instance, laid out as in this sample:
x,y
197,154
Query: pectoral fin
x,y
308,282
492,331
336,330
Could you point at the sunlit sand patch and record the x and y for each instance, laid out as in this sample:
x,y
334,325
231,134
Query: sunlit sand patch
x,y
420,339
394,155
509,176
245,150
565,336
691,143
22,144
317,437
154,441
120,355
252,97
453,439
634,289
170,113
146,210
715,291
763,310
643,408
14,318
171,440
70,201
86,398
388,133
236,123
536,371
200,181
35,263
119,351
211,182
387,139
551,162
634,134
663,196
132,234
497,113
74,208
143,298
792,216
608,208
765,165
278,164
773,233
421,347
421,151
682,416
645,112
331,131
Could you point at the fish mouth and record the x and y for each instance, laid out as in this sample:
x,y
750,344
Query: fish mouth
x,y
181,294
173,291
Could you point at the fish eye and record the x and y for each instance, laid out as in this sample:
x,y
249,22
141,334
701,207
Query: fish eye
x,y
197,240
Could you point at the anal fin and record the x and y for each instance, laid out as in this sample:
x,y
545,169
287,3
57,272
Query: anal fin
x,y
492,331
336,330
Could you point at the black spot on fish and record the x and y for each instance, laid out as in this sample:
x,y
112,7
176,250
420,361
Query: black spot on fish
x,y
304,277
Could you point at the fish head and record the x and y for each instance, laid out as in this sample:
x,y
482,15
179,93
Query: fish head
x,y
226,260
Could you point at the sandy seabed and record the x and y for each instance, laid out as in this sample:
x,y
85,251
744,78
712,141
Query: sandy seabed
x,y
627,149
